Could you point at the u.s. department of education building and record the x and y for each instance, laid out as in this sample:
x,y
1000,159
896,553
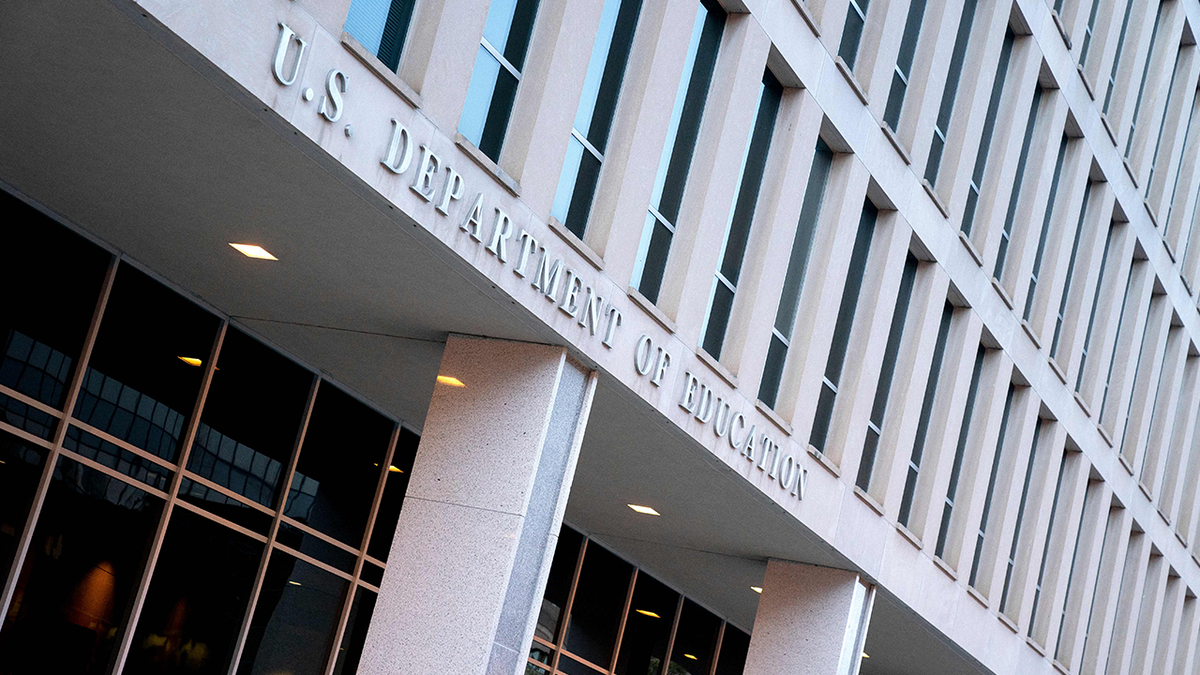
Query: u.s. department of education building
x,y
638,337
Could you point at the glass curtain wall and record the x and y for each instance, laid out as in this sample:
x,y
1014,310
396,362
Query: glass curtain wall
x,y
601,615
175,496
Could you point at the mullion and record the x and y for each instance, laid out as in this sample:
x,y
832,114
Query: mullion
x,y
500,58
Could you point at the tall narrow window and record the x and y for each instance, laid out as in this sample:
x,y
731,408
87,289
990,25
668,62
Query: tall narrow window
x,y
960,451
682,131
1116,343
793,279
887,371
1016,538
842,326
904,61
985,138
1183,154
737,233
594,117
1088,31
1041,245
1137,370
497,73
1066,290
1037,590
381,26
1011,215
935,370
942,128
1087,339
1104,551
1112,75
1062,619
991,489
1162,125
1137,105
856,18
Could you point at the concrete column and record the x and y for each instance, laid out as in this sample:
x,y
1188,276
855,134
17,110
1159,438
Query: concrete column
x,y
474,542
810,621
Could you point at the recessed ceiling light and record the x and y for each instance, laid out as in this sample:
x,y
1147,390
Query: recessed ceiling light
x,y
294,583
646,612
392,468
689,656
451,381
191,360
866,655
644,510
756,589
253,251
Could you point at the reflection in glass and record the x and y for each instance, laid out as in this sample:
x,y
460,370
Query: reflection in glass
x,y
295,538
224,506
734,646
251,419
197,599
648,627
114,457
136,387
20,469
294,619
338,470
356,632
695,640
393,496
596,612
53,280
86,558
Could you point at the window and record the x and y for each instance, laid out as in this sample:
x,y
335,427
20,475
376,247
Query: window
x,y
989,127
737,232
1084,516
843,325
497,74
381,26
1041,245
1111,519
1016,537
1112,75
1088,31
1137,106
856,19
1011,215
904,61
991,489
1186,152
1066,290
1087,340
887,371
935,369
1117,343
594,117
682,132
587,627
1162,125
793,279
960,451
1037,590
942,128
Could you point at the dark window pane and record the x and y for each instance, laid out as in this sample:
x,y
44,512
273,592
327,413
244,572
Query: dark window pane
x,y
570,666
20,469
86,558
114,457
656,260
381,26
734,646
251,419
820,430
372,574
695,641
768,390
294,619
581,188
393,496
224,506
138,386
197,599
355,635
338,470
718,319
558,585
599,599
26,417
53,279
644,642
295,538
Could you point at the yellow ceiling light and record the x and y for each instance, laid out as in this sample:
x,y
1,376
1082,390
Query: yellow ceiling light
x,y
191,361
392,468
689,656
646,612
756,589
450,381
253,251
866,655
646,510
294,583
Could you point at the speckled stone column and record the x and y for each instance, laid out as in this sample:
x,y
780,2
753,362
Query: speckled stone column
x,y
481,517
810,621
